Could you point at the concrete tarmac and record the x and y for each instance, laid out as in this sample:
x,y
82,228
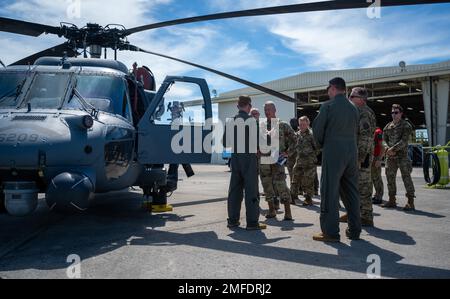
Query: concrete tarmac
x,y
117,238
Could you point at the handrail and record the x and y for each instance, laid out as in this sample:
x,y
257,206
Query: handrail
x,y
447,146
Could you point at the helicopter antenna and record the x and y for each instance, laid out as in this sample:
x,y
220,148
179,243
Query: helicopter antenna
x,y
1,62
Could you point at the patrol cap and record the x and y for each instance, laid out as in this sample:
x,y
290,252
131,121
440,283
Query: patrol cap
x,y
339,83
360,92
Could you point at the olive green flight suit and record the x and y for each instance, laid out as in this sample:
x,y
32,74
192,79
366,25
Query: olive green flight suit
x,y
244,176
335,130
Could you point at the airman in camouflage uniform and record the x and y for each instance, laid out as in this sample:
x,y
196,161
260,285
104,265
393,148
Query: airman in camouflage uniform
x,y
367,127
273,176
305,167
378,155
396,137
291,161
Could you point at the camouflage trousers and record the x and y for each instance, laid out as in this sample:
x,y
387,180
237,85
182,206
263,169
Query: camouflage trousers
x,y
273,179
303,177
365,193
290,166
405,165
377,181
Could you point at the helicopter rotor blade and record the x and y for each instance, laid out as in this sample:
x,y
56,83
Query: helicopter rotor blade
x,y
56,51
26,28
295,8
231,77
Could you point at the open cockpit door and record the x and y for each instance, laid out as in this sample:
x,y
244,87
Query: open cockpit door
x,y
177,126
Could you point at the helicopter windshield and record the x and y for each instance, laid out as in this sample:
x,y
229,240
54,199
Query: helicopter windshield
x,y
105,93
10,85
48,90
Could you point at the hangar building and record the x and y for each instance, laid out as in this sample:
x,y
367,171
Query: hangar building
x,y
423,91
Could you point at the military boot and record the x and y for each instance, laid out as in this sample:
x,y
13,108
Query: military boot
x,y
410,205
276,203
287,212
367,222
391,204
272,212
308,201
377,200
321,237
343,218
293,199
259,226
351,236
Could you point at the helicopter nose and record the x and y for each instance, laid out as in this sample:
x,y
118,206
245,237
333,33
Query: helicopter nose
x,y
69,192
61,139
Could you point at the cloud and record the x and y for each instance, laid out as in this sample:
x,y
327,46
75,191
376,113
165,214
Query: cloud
x,y
129,13
350,39
199,43
247,47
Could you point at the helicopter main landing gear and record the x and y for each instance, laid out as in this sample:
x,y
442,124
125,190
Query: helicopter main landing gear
x,y
155,196
160,204
155,200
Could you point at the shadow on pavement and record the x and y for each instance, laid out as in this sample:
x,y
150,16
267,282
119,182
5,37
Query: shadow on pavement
x,y
286,225
199,202
106,228
393,236
425,214
254,237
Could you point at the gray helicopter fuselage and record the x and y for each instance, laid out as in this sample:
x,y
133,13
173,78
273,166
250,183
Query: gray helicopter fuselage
x,y
71,128
42,137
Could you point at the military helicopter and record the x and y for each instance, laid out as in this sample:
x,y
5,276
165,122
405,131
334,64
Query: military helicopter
x,y
73,127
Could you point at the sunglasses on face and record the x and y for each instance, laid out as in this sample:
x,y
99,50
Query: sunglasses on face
x,y
395,112
354,97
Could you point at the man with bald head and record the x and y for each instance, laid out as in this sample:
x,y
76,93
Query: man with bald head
x,y
273,175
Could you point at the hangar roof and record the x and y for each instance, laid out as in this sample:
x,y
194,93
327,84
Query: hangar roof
x,y
312,81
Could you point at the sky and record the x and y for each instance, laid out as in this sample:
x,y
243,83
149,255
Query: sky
x,y
258,49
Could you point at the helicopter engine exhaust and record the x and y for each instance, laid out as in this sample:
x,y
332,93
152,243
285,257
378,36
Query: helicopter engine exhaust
x,y
69,192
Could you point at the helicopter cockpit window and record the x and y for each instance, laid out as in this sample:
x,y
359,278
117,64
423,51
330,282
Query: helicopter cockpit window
x,y
48,90
10,85
182,101
105,93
